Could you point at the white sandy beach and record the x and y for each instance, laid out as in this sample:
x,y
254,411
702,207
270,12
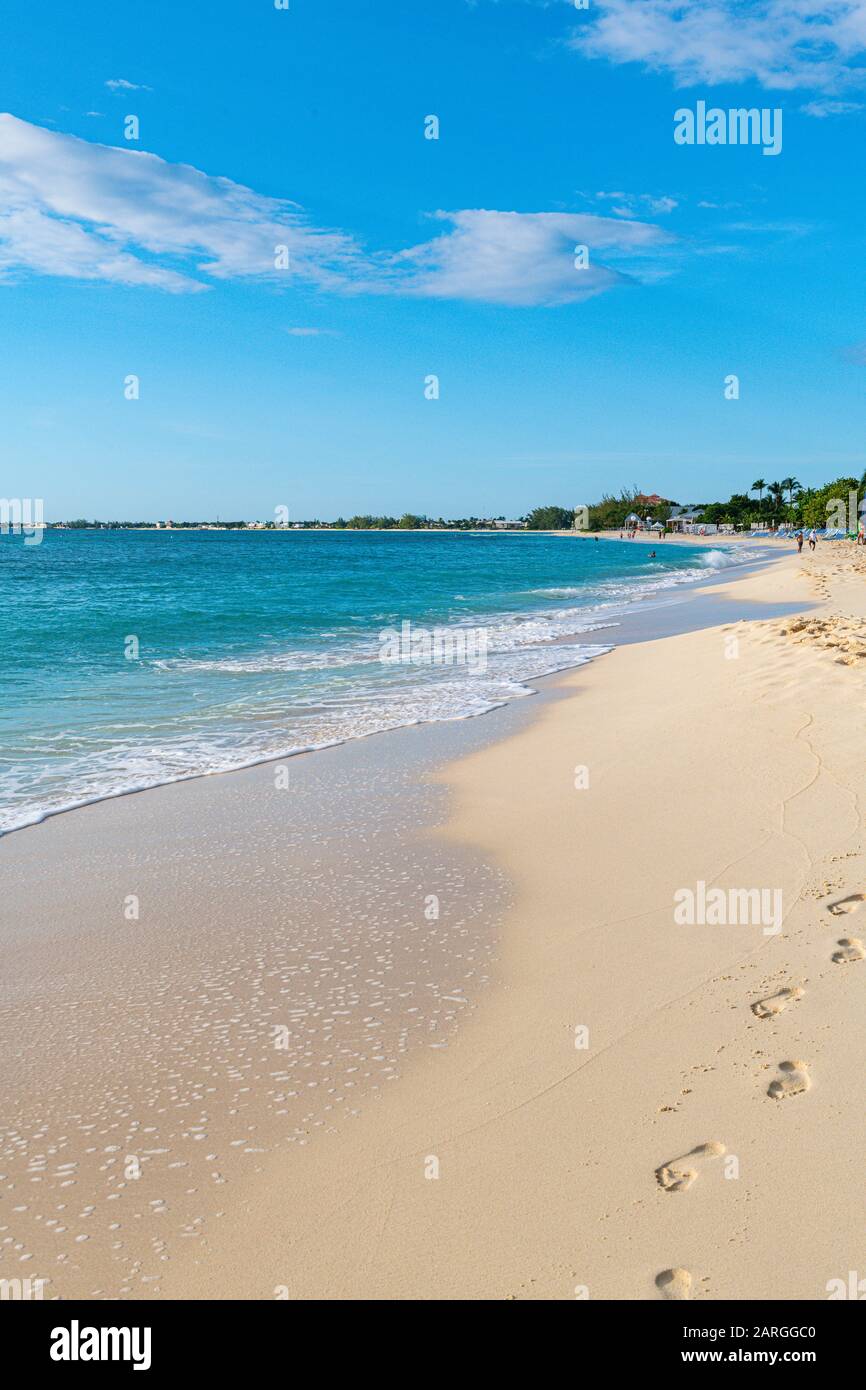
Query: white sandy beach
x,y
621,1103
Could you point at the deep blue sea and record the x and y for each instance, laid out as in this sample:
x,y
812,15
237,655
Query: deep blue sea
x,y
136,658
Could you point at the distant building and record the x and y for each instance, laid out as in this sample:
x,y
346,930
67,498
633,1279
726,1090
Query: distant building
x,y
686,519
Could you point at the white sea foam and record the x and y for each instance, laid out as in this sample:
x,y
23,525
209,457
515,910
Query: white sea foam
x,y
725,559
272,717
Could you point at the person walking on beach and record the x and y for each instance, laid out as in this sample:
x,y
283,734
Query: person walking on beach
x,y
813,540
800,543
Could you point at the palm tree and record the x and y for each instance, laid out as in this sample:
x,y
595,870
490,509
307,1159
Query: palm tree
x,y
775,494
791,485
758,487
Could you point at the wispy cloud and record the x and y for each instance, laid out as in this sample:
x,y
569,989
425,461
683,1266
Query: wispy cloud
x,y
120,84
786,227
72,208
822,109
311,332
782,43
630,204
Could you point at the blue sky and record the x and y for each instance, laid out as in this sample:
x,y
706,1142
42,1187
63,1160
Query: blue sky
x,y
262,388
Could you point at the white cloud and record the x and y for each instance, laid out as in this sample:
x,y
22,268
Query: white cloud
x,y
311,332
782,43
787,227
120,84
521,258
822,109
626,203
72,208
660,205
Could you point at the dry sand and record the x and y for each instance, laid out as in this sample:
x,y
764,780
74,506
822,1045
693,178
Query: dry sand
x,y
637,1109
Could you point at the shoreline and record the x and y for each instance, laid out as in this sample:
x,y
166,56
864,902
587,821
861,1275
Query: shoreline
x,y
532,683
353,1215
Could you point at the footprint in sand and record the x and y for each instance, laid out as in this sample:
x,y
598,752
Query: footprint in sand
x,y
768,1008
850,904
677,1175
795,1081
674,1283
851,949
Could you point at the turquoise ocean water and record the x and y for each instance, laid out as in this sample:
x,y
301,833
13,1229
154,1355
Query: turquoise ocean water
x,y
256,645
